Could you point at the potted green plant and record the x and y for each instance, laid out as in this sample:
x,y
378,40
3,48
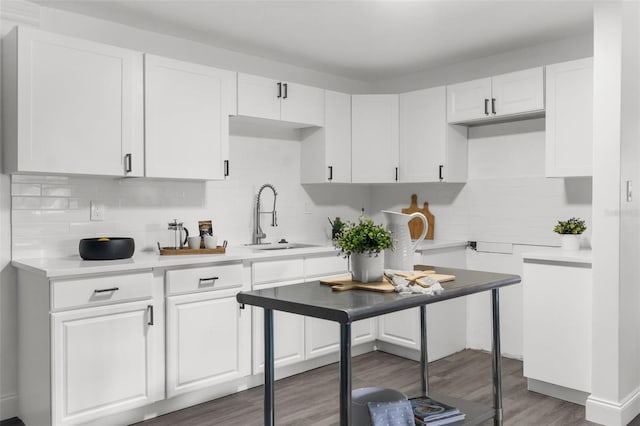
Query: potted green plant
x,y
570,231
364,243
336,227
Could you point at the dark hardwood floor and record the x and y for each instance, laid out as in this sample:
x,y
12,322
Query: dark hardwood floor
x,y
311,398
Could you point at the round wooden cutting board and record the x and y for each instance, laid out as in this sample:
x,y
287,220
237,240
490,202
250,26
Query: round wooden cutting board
x,y
415,225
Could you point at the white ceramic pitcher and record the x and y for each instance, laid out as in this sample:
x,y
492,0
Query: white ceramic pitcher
x,y
401,258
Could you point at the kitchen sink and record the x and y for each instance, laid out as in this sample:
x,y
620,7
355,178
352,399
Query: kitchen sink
x,y
280,246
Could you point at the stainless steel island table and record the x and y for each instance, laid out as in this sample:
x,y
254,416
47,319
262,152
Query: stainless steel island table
x,y
319,301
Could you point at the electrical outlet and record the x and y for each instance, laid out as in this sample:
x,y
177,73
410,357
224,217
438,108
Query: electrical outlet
x,y
97,211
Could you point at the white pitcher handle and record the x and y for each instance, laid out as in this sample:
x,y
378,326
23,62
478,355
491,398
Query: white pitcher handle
x,y
425,228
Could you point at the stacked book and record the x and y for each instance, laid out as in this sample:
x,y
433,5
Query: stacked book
x,y
429,412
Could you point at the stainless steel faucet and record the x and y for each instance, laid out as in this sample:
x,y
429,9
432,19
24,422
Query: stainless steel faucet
x,y
258,235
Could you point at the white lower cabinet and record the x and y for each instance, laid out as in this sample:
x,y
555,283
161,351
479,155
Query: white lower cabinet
x,y
89,347
208,336
402,328
207,341
288,338
103,361
557,300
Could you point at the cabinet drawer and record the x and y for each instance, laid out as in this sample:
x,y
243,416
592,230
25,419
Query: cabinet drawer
x,y
216,277
100,290
316,267
277,271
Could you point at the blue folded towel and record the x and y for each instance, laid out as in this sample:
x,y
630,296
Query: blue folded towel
x,y
396,413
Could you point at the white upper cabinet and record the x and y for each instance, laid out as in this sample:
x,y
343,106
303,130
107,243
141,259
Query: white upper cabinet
x,y
187,109
469,100
498,97
569,119
296,104
374,138
70,106
326,151
430,149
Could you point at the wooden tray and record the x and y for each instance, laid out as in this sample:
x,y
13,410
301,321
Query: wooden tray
x,y
173,252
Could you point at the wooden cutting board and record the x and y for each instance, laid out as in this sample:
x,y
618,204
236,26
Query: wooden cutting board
x,y
346,283
415,225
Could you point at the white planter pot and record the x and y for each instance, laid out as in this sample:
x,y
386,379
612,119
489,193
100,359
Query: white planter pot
x,y
365,268
570,242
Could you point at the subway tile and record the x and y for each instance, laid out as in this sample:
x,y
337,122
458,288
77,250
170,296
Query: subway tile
x,y
56,190
25,203
26,189
53,203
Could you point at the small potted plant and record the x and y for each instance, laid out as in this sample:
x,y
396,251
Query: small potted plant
x,y
336,227
570,231
364,242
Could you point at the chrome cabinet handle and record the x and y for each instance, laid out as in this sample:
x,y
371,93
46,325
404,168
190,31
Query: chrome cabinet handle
x,y
330,172
279,90
106,290
226,167
486,106
440,172
208,280
285,91
493,106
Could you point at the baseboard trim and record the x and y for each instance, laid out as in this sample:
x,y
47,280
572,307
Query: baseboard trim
x,y
8,406
613,413
560,392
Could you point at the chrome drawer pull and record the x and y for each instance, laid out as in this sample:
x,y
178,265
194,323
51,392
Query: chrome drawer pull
x,y
208,280
105,290
150,309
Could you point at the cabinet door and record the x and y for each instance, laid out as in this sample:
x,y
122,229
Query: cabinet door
x,y
518,92
186,119
288,338
208,341
302,104
258,97
375,138
76,106
469,101
401,328
325,154
105,360
323,337
569,119
423,135
557,330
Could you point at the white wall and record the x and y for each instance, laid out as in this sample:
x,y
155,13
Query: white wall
x,y
615,397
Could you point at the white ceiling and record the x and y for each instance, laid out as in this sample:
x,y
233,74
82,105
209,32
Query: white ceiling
x,y
365,40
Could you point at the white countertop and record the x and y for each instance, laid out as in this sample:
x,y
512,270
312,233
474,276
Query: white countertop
x,y
439,244
560,255
74,265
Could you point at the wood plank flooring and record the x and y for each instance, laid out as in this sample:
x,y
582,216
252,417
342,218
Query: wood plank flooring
x,y
311,398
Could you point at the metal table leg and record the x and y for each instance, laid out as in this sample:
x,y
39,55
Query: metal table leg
x,y
496,367
269,413
345,374
424,358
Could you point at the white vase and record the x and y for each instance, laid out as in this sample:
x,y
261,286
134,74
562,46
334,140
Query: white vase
x,y
366,269
570,242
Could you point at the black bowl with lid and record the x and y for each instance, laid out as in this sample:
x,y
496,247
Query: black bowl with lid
x,y
106,248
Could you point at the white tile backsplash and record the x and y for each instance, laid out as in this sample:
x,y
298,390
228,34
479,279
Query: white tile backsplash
x,y
50,214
